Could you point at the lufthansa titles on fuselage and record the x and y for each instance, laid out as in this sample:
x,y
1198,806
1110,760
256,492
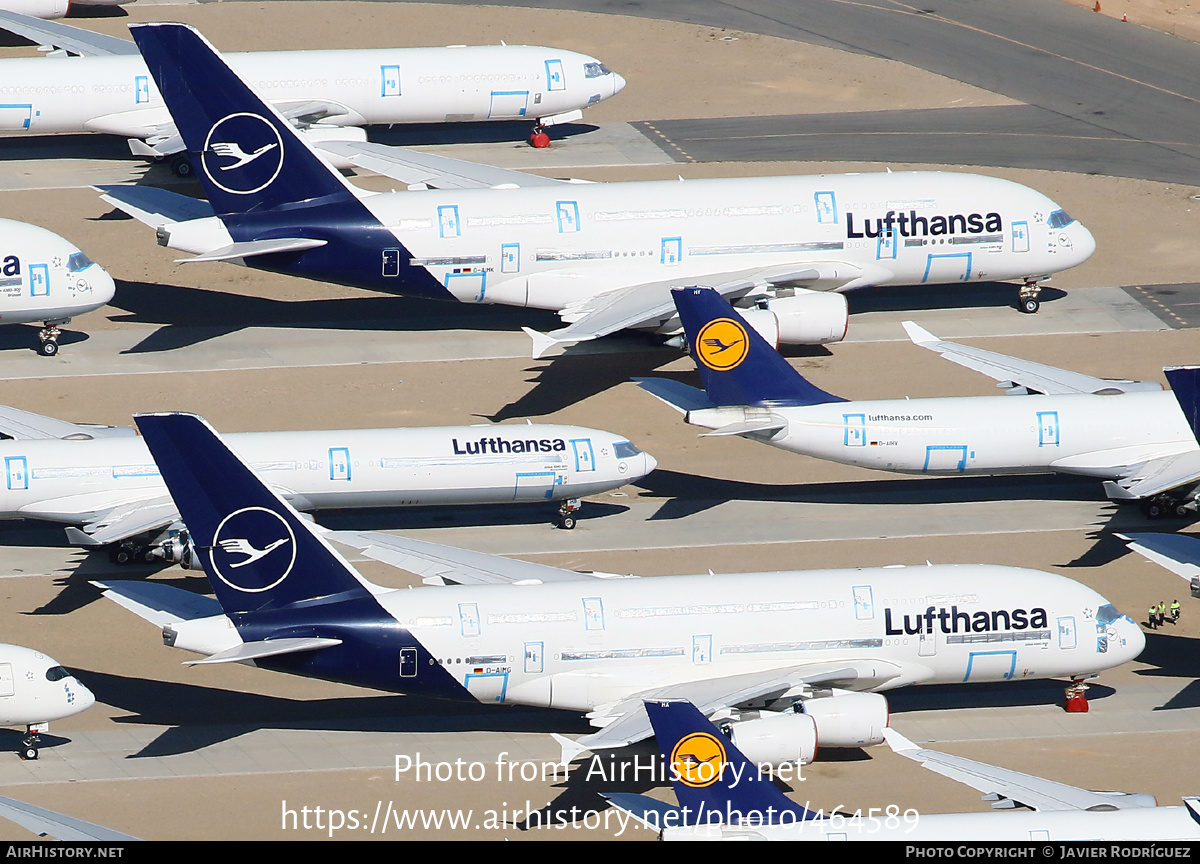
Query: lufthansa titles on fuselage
x,y
500,445
911,225
949,621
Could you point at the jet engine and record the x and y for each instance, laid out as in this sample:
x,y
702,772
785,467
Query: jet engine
x,y
807,318
177,549
841,719
38,8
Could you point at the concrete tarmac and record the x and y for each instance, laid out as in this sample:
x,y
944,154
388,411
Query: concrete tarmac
x,y
218,752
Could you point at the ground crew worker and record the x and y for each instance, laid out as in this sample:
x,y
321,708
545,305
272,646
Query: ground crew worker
x,y
1152,617
1162,613
1175,610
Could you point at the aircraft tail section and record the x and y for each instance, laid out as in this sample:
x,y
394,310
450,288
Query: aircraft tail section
x,y
738,366
1185,384
247,156
260,554
713,781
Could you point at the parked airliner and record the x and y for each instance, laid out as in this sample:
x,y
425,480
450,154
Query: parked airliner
x,y
755,646
1132,434
46,278
329,93
723,796
52,8
102,479
602,255
35,689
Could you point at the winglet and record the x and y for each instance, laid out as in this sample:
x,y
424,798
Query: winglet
x,y
541,342
898,742
570,748
919,335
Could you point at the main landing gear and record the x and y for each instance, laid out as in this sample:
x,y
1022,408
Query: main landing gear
x,y
1027,297
127,552
566,513
181,165
1164,505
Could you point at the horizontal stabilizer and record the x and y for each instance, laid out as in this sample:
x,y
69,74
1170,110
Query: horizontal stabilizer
x,y
48,823
158,603
748,427
650,812
252,248
681,397
248,651
153,206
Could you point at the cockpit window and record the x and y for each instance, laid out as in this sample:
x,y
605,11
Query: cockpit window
x,y
78,262
625,449
1107,614
1059,219
57,673
595,70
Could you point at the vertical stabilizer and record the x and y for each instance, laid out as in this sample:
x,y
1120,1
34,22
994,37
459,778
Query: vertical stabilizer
x,y
736,364
1185,384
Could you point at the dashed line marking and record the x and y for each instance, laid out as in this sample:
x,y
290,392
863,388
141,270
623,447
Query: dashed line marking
x,y
1160,305
670,143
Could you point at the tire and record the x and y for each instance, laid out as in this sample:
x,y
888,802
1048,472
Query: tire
x,y
1182,511
566,523
29,754
181,166
48,348
1153,510
123,557
1030,306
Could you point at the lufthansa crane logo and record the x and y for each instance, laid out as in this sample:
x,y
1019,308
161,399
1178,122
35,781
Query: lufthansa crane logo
x,y
243,153
722,344
253,550
698,759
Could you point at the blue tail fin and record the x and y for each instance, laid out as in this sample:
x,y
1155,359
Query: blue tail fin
x,y
1185,384
258,553
713,781
736,364
246,155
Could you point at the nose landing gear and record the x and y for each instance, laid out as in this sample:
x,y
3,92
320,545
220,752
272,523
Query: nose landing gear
x,y
566,513
1028,297
48,337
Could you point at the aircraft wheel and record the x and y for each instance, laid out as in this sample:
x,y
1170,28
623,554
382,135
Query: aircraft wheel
x,y
48,348
181,166
566,523
1153,509
1182,510
123,557
1030,306
29,754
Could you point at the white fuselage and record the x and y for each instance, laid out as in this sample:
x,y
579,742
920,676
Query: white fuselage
x,y
1146,823
117,95
551,247
1087,434
74,481
46,278
579,644
35,689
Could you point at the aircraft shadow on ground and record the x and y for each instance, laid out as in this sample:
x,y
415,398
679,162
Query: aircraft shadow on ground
x,y
483,132
24,337
68,146
693,493
973,295
189,316
941,697
403,519
199,716
1173,656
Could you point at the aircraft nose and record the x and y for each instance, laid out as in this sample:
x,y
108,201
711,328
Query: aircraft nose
x,y
1084,243
1135,640
650,464
104,287
618,83
84,698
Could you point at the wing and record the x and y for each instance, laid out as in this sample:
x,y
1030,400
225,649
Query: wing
x,y
625,721
446,565
26,426
1155,477
1179,553
119,522
1007,788
650,305
424,170
70,39
1012,372
48,823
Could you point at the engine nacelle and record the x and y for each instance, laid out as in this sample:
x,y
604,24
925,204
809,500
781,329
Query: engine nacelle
x,y
38,8
808,318
178,549
775,739
848,719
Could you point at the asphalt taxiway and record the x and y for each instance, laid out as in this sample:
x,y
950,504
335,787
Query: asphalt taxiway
x,y
175,753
